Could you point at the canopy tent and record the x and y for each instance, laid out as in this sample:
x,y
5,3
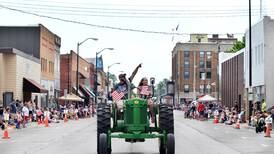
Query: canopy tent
x,y
207,98
71,97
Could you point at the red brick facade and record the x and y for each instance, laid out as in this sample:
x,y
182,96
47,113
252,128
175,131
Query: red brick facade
x,y
68,69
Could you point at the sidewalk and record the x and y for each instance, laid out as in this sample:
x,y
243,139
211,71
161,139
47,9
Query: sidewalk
x,y
242,125
29,125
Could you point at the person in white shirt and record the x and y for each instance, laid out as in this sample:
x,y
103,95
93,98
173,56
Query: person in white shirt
x,y
76,113
25,112
6,115
47,114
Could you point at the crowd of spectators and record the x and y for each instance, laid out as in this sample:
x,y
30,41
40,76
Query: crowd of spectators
x,y
226,115
19,114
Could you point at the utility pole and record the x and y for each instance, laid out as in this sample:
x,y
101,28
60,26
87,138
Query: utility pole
x,y
68,70
250,63
77,70
95,79
261,9
218,75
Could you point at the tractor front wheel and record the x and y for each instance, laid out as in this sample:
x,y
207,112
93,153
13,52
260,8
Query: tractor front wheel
x,y
166,121
103,121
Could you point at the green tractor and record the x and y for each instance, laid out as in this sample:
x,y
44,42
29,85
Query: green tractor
x,y
133,124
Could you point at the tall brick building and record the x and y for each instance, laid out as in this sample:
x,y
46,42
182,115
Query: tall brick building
x,y
195,66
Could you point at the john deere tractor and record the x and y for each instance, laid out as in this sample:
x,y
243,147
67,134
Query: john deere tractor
x,y
133,125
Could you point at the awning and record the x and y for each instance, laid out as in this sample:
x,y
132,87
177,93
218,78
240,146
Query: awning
x,y
84,91
207,98
88,91
82,76
79,92
71,97
30,85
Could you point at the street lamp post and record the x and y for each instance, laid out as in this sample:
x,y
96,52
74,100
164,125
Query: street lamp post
x,y
108,77
170,86
77,69
96,70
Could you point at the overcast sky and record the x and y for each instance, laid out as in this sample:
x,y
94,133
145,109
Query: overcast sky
x,y
132,48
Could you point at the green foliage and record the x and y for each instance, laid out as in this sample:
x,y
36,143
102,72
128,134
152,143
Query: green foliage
x,y
161,87
237,46
113,77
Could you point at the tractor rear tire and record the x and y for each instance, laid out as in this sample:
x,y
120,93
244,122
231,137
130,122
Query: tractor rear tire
x,y
103,121
170,144
166,120
103,144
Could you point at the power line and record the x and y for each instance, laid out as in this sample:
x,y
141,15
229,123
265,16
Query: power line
x,y
133,15
236,12
139,5
121,9
94,25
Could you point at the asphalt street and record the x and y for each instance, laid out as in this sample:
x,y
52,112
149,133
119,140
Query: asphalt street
x,y
192,137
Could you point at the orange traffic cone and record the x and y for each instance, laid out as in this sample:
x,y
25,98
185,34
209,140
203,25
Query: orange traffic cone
x,y
65,119
267,132
237,126
46,122
215,121
6,134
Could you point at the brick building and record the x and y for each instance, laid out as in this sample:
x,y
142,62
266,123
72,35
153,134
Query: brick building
x,y
68,76
232,78
195,66
101,78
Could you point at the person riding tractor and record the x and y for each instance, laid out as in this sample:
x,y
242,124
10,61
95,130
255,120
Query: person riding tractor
x,y
128,117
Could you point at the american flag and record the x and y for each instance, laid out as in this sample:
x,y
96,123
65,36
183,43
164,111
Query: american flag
x,y
145,90
117,95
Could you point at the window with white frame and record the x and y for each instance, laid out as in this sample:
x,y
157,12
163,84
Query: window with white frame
x,y
186,88
202,87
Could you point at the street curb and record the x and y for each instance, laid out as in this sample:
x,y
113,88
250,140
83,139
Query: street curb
x,y
243,125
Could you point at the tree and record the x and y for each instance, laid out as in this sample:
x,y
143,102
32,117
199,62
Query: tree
x,y
113,78
237,46
161,87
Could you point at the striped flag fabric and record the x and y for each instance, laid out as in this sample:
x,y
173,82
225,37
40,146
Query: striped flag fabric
x,y
145,90
117,95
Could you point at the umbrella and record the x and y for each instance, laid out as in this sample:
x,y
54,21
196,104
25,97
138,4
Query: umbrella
x,y
207,98
71,97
